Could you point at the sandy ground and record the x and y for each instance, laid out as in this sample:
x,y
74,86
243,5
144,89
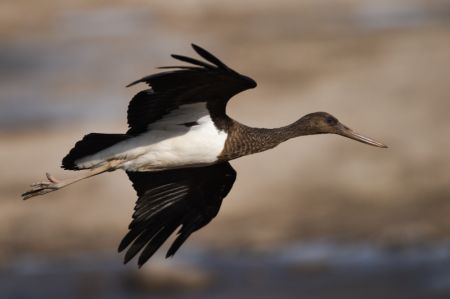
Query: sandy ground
x,y
390,83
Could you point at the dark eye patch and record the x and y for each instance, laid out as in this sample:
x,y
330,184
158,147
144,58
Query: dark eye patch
x,y
331,120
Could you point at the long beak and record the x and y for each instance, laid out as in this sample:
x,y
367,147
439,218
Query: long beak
x,y
347,132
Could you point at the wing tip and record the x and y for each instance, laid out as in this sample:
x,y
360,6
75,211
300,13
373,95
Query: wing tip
x,y
126,259
209,57
196,47
140,264
193,61
133,83
121,247
171,252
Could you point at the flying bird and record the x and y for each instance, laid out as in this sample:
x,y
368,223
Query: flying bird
x,y
177,149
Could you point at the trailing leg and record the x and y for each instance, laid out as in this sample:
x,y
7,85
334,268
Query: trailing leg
x,y
53,184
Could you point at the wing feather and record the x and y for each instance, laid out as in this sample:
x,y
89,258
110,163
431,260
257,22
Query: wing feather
x,y
187,198
198,82
192,61
208,56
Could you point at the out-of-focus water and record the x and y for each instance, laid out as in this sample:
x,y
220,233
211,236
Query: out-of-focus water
x,y
309,270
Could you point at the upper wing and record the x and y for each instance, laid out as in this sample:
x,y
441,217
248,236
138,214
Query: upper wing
x,y
189,198
211,82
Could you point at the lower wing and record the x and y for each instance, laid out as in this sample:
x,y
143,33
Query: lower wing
x,y
188,198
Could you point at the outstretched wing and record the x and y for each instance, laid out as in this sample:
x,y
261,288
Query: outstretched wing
x,y
189,197
211,82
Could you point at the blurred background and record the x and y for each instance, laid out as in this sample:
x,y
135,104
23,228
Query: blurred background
x,y
317,217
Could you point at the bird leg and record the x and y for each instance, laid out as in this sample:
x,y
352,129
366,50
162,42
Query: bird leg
x,y
53,184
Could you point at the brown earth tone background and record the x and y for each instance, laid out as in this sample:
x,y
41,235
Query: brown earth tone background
x,y
381,67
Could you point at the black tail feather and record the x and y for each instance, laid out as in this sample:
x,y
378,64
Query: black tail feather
x,y
89,145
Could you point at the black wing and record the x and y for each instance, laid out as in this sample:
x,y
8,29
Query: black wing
x,y
189,197
212,82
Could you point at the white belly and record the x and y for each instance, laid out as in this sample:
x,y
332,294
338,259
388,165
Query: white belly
x,y
200,145
168,144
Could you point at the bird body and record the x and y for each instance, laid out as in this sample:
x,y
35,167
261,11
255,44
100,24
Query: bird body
x,y
177,148
187,137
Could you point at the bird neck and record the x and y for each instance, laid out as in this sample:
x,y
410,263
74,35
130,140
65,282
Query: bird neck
x,y
243,140
272,137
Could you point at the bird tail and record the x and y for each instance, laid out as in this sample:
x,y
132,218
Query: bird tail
x,y
89,145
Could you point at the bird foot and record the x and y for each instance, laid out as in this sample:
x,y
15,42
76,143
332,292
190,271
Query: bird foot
x,y
43,187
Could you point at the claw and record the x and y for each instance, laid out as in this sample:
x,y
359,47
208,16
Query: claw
x,y
41,188
51,178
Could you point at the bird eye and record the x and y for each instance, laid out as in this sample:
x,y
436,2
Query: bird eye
x,y
331,120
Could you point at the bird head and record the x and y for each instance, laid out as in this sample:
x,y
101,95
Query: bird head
x,y
323,123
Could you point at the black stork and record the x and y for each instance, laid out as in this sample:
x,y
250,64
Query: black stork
x,y
177,148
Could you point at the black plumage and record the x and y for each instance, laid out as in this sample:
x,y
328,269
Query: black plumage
x,y
187,197
213,83
90,144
